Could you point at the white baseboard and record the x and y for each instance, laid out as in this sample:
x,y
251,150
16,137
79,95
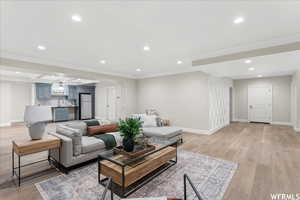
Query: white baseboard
x,y
240,120
297,129
196,131
282,123
275,123
9,123
212,131
203,132
16,121
5,124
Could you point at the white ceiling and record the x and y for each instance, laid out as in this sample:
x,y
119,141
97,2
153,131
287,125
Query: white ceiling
x,y
273,65
175,30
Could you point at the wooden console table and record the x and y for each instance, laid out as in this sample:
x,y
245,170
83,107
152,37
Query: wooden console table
x,y
27,147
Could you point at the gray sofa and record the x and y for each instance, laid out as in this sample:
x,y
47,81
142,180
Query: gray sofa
x,y
77,147
90,146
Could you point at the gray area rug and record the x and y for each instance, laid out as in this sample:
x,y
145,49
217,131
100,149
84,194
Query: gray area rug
x,y
210,175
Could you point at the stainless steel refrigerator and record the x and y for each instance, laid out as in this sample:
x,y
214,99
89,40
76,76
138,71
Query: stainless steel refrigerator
x,y
85,106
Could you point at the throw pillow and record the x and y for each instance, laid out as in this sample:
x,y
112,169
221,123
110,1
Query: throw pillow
x,y
159,122
149,121
104,121
95,130
92,123
74,134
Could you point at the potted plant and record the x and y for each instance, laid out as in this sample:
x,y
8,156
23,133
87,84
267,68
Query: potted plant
x,y
130,128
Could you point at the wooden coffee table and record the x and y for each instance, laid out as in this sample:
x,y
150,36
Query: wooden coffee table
x,y
130,175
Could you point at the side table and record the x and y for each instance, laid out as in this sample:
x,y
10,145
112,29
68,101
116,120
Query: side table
x,y
27,147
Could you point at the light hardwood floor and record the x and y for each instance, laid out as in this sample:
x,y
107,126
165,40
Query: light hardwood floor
x,y
268,158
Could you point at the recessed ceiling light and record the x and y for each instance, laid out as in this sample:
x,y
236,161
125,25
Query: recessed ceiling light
x,y
248,61
251,69
138,70
76,18
238,20
259,76
103,61
146,48
179,62
41,47
17,72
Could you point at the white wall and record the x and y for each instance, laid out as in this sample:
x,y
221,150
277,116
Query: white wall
x,y
281,97
181,98
219,102
14,96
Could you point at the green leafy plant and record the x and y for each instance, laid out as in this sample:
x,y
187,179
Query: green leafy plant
x,y
130,128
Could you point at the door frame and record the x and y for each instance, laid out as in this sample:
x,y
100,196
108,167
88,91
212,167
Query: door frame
x,y
259,86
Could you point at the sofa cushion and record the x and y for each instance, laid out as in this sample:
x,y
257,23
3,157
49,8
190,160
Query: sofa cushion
x,y
80,125
74,134
165,131
90,144
95,130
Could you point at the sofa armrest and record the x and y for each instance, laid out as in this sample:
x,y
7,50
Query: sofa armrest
x,y
66,151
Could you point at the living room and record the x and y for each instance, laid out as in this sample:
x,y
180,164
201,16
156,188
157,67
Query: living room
x,y
150,99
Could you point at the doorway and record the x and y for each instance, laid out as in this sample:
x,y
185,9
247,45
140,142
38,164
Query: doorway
x,y
260,103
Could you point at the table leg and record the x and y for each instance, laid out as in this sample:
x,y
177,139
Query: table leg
x,y
59,155
99,171
49,156
13,162
184,185
59,159
111,192
176,153
19,158
123,181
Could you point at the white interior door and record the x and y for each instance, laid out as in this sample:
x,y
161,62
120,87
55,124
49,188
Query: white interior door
x,y
260,103
111,98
